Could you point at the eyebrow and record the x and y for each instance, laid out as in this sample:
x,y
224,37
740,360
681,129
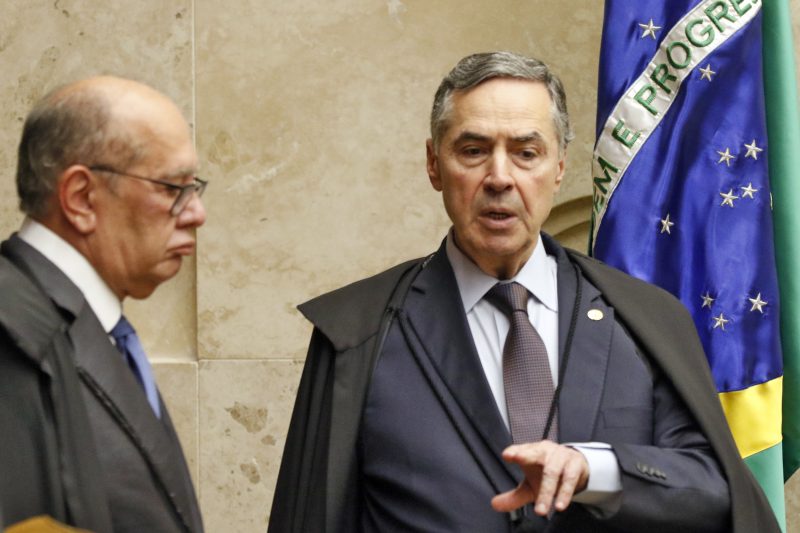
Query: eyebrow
x,y
470,136
533,136
180,174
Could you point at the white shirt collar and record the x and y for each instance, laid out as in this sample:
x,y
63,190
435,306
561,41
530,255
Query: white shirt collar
x,y
77,268
538,275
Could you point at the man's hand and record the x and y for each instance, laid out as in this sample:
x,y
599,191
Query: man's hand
x,y
551,471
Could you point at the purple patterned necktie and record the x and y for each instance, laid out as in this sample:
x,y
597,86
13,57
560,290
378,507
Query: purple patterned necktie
x,y
527,378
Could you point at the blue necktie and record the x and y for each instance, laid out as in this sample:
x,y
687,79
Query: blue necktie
x,y
128,343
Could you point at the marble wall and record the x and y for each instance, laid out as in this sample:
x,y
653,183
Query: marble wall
x,y
310,119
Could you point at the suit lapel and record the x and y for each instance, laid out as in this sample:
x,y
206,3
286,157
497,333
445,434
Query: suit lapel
x,y
103,370
435,313
583,378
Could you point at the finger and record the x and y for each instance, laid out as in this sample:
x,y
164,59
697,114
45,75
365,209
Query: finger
x,y
531,458
529,453
550,481
573,472
513,499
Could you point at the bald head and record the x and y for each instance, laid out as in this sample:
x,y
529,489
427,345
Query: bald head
x,y
101,120
132,105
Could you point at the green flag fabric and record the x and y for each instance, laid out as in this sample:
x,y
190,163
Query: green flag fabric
x,y
783,127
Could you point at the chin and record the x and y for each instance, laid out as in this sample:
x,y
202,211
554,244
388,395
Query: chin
x,y
147,287
507,246
169,268
141,293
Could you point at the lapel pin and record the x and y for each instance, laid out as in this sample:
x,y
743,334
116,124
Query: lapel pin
x,y
595,314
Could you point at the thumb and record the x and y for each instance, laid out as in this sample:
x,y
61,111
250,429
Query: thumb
x,y
513,499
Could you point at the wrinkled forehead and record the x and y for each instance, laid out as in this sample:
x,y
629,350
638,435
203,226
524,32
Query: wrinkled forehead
x,y
513,106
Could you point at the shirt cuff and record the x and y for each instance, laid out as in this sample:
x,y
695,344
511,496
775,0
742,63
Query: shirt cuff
x,y
603,492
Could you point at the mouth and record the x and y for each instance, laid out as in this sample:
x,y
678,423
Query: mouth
x,y
497,218
184,249
496,215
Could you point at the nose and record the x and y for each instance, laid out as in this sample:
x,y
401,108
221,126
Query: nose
x,y
194,214
498,177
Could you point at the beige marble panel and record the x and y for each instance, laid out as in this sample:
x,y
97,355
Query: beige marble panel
x,y
569,222
794,9
792,491
311,120
47,43
177,383
245,408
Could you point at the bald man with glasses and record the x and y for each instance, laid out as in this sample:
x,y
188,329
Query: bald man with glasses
x,y
107,180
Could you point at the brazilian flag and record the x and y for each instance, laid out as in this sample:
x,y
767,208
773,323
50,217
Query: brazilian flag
x,y
696,176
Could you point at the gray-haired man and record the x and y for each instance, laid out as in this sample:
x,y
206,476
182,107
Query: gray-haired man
x,y
451,393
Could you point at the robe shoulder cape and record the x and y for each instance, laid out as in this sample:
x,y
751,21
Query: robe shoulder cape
x,y
317,488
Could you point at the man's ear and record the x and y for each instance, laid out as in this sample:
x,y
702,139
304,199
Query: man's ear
x,y
562,167
433,165
77,195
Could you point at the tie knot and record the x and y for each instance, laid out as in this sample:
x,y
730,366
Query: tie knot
x,y
122,330
509,297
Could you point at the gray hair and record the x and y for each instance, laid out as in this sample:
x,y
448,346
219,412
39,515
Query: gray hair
x,y
477,68
68,126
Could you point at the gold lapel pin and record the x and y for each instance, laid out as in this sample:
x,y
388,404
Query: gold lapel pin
x,y
595,314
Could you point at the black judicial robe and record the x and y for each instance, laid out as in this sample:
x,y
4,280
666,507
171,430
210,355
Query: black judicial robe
x,y
126,462
48,461
318,489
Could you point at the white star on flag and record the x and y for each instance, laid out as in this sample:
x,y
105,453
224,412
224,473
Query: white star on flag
x,y
650,29
706,73
666,224
749,191
707,300
720,321
728,197
758,303
752,150
725,156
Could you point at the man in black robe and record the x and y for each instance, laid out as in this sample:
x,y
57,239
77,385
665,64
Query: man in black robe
x,y
405,419
106,179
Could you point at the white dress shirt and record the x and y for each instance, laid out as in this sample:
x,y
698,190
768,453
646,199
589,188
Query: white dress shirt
x,y
104,303
489,327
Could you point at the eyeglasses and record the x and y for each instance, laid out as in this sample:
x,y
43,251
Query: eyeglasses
x,y
184,192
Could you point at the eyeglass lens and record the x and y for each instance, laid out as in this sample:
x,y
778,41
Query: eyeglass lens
x,y
186,195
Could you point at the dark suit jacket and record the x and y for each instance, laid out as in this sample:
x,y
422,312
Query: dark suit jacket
x,y
143,479
416,444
